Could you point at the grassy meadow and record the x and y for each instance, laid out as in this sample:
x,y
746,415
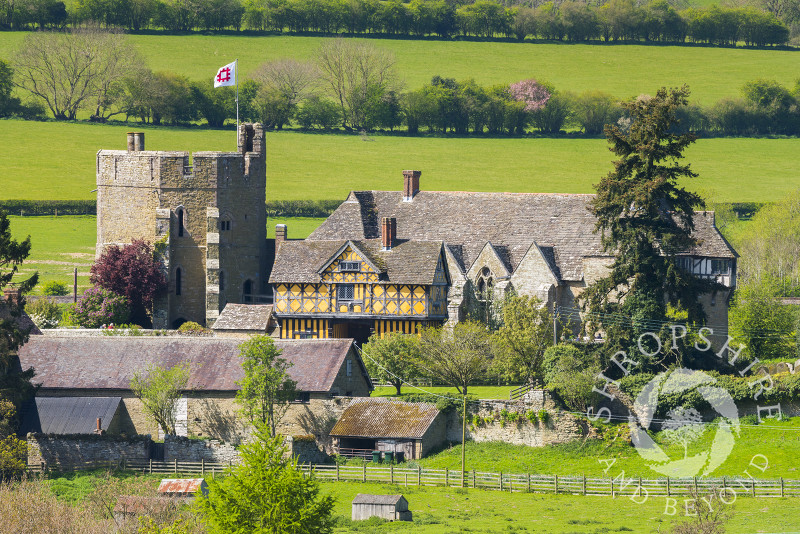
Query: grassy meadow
x,y
779,441
622,70
319,166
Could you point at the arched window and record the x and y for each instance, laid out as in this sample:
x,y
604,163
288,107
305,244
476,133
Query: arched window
x,y
485,282
180,216
178,281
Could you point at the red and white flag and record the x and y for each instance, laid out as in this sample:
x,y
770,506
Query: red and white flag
x,y
226,75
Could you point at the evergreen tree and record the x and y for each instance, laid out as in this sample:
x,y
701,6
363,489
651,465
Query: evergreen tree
x,y
645,219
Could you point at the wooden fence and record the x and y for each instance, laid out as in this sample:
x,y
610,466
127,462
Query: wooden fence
x,y
636,488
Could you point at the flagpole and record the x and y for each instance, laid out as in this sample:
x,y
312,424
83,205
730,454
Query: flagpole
x,y
236,74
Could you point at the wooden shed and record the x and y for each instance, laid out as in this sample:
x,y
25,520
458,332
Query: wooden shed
x,y
390,507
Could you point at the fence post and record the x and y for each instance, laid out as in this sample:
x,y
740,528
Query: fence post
x,y
474,480
501,481
337,472
584,483
529,482
612,486
176,466
753,486
446,477
695,485
555,483
781,486
668,492
391,474
364,475
202,467
151,466
419,475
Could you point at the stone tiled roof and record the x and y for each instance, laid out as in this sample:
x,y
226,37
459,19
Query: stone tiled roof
x,y
384,418
367,498
251,317
108,362
466,221
408,262
68,415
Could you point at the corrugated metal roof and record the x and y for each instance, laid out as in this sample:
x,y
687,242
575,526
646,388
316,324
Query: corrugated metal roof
x,y
68,415
182,487
109,362
366,498
384,418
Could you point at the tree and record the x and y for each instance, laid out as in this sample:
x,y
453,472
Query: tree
x,y
358,75
570,374
7,102
14,386
266,494
645,219
760,322
283,84
526,333
392,358
594,109
266,389
72,70
98,306
133,271
159,389
457,358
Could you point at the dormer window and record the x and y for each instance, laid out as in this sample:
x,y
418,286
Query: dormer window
x,y
349,266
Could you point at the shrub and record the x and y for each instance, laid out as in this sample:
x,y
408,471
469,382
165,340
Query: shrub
x,y
55,288
531,416
13,457
192,328
319,113
543,416
100,306
44,312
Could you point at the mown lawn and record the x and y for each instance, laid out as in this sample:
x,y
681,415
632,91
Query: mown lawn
x,y
622,70
319,166
778,441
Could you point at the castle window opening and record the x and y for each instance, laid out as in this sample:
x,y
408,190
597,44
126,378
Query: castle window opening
x,y
178,281
224,226
222,281
179,214
247,289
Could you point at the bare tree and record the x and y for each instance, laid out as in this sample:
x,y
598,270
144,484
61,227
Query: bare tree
x,y
358,75
296,80
73,70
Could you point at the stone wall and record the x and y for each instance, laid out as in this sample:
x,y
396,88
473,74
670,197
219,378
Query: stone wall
x,y
307,451
559,427
195,450
73,449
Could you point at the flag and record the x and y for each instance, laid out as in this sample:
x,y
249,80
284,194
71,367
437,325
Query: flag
x,y
226,75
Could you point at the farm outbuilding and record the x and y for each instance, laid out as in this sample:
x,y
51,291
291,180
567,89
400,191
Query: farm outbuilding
x,y
389,507
407,429
74,415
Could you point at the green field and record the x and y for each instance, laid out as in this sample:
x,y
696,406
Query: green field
x,y
622,70
317,166
779,441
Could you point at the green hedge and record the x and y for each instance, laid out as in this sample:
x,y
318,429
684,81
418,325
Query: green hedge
x,y
301,208
49,207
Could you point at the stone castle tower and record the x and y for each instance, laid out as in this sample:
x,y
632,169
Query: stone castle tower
x,y
207,211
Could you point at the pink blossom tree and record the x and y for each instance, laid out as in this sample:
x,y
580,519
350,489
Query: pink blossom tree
x,y
534,94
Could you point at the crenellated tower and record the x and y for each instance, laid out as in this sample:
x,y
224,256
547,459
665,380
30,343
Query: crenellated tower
x,y
206,211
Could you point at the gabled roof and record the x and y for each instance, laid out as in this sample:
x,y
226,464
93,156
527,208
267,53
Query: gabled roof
x,y
466,221
108,362
68,415
385,418
408,262
251,317
366,498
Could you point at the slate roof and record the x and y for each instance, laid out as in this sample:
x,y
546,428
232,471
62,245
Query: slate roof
x,y
68,415
384,418
108,362
252,317
466,221
408,262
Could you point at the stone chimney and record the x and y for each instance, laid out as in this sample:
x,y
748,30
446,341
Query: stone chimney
x,y
280,233
410,184
388,232
135,141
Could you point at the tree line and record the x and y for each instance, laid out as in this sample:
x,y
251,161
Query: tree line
x,y
571,20
350,85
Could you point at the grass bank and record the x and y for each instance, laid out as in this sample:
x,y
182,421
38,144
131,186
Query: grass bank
x,y
319,166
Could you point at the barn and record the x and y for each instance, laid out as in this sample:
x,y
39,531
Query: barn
x,y
389,507
407,429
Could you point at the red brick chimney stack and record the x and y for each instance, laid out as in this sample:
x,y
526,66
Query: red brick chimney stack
x,y
11,295
410,184
388,232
